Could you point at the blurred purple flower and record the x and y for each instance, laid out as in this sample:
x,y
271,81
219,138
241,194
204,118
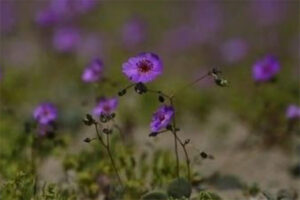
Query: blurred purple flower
x,y
234,50
63,10
144,67
7,16
161,118
46,17
70,7
93,71
207,20
66,39
45,113
133,32
293,112
267,12
265,69
105,106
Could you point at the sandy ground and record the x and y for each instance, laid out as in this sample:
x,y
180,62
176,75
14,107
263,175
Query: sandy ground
x,y
266,167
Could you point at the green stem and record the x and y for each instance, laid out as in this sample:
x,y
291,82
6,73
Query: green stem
x,y
112,160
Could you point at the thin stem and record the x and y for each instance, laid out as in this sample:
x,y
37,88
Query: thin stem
x,y
187,159
191,84
111,159
174,130
33,164
99,136
107,147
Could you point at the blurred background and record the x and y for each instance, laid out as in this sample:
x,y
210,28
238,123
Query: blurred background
x,y
46,46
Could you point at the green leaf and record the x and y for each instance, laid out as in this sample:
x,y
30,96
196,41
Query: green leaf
x,y
155,195
209,196
180,187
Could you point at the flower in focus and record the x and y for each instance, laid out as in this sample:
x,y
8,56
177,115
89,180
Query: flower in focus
x,y
93,71
66,39
293,112
161,118
133,32
265,69
105,106
234,50
45,113
144,67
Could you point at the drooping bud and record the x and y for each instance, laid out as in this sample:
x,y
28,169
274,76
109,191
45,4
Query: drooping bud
x,y
122,92
161,99
89,120
140,88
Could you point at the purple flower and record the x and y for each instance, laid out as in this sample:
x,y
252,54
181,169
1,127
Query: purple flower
x,y
265,69
268,12
133,32
161,118
293,112
45,113
66,39
144,67
46,17
105,106
69,8
93,71
234,50
7,16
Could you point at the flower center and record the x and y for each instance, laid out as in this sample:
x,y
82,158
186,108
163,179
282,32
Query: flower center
x,y
144,66
46,112
267,69
161,118
106,108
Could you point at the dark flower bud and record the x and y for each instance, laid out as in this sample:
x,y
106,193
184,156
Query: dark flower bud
x,y
88,120
153,134
187,141
140,88
221,82
203,155
169,127
122,92
104,118
161,99
215,71
113,115
87,140
107,131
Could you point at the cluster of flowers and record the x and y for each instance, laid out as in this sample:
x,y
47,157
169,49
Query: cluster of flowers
x,y
144,68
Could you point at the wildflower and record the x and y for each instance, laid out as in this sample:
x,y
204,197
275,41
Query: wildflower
x,y
234,50
133,32
66,39
46,17
143,68
161,118
267,13
105,106
45,113
265,69
293,112
8,16
93,71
